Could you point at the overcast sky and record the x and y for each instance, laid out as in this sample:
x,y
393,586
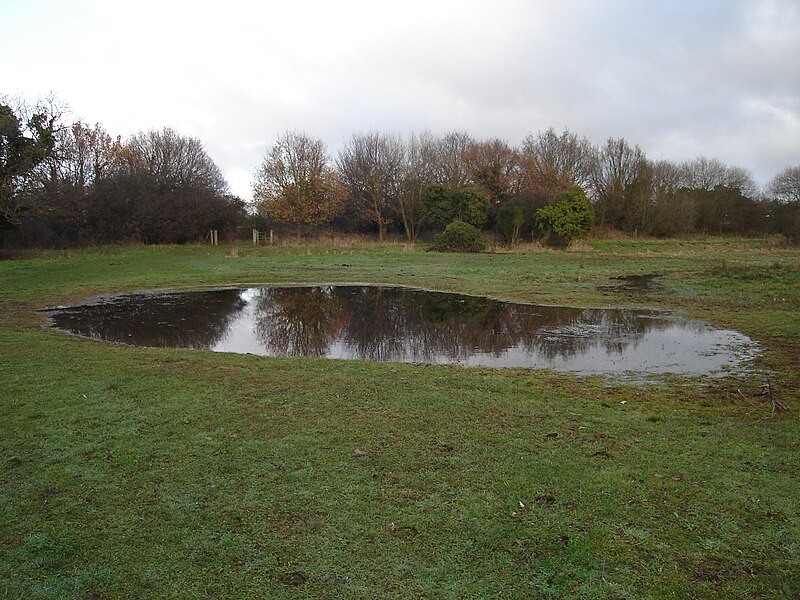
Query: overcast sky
x,y
719,78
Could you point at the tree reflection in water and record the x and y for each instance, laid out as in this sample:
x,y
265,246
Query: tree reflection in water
x,y
298,321
398,324
184,320
407,325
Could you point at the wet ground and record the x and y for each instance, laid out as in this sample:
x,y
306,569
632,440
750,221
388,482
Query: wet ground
x,y
635,284
408,325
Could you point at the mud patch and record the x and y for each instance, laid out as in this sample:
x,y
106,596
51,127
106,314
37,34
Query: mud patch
x,y
635,284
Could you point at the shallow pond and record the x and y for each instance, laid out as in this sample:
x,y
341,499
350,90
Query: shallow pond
x,y
400,324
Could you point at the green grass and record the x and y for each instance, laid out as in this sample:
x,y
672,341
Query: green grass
x,y
131,472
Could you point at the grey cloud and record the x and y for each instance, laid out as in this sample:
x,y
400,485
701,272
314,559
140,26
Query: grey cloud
x,y
679,78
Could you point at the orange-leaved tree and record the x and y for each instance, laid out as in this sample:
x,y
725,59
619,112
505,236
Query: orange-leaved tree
x,y
295,183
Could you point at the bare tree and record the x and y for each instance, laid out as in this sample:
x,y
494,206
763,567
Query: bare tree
x,y
371,165
168,186
85,154
722,195
708,173
550,163
420,171
157,187
564,156
494,166
619,182
673,208
785,186
295,183
170,159
452,169
81,156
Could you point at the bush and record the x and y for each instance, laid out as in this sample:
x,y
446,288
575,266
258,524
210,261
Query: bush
x,y
571,215
509,221
784,218
471,205
460,237
792,232
441,206
437,205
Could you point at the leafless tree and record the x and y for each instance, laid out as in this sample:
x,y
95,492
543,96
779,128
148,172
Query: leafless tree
x,y
452,169
372,165
564,156
619,182
85,154
168,158
420,171
81,156
722,195
708,173
673,210
494,166
168,187
785,186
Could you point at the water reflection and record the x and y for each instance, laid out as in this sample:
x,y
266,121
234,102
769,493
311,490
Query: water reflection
x,y
406,325
298,321
179,320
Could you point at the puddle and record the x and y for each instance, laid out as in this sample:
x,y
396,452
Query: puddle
x,y
408,325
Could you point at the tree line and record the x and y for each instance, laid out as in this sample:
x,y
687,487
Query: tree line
x,y
75,184
382,182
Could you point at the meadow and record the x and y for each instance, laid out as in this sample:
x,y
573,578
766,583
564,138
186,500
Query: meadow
x,y
163,473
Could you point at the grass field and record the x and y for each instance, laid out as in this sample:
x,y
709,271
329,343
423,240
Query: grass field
x,y
159,473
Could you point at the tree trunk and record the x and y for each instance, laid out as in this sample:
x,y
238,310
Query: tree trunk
x,y
379,220
408,224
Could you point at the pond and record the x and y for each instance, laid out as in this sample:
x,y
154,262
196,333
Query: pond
x,y
399,324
